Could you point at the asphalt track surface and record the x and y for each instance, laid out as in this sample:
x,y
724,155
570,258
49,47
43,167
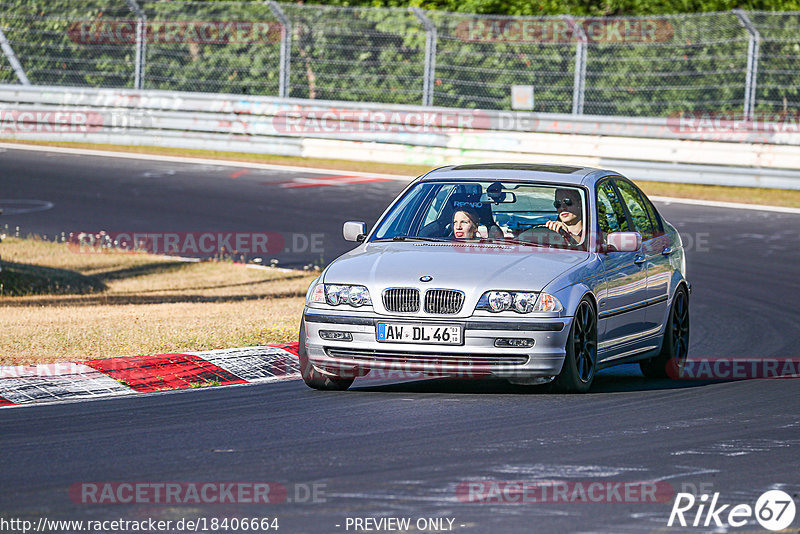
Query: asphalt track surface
x,y
92,194
401,448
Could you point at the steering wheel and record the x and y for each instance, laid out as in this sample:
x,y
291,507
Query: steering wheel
x,y
543,235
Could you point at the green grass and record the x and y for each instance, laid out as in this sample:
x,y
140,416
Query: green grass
x,y
205,384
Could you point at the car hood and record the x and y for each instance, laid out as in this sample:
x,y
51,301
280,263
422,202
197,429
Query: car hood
x,y
461,266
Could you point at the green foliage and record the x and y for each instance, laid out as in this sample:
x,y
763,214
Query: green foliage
x,y
579,7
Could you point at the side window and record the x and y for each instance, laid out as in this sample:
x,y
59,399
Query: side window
x,y
610,217
636,208
658,226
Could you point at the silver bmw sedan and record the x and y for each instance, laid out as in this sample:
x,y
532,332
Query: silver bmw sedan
x,y
533,273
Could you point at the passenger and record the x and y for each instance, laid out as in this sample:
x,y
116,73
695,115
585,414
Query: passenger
x,y
570,217
465,224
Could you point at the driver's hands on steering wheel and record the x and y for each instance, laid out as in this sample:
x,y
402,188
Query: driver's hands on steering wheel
x,y
558,226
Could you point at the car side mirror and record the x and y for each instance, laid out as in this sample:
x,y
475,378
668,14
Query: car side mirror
x,y
354,231
623,242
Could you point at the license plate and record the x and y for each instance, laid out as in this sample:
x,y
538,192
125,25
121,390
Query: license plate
x,y
419,333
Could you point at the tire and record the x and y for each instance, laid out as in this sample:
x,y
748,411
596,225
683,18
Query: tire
x,y
313,378
580,362
675,346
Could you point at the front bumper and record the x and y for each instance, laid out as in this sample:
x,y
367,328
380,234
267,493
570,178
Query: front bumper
x,y
476,357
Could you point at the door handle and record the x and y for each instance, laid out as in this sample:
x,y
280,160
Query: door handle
x,y
667,251
638,260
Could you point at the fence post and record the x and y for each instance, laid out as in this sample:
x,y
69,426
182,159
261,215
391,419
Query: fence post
x,y
12,59
430,55
141,41
286,48
752,63
579,84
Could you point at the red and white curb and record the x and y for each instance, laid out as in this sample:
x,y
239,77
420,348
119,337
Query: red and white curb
x,y
109,377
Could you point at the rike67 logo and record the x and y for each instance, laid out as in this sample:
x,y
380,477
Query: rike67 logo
x,y
774,510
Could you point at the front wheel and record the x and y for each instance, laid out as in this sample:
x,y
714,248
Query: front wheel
x,y
313,378
675,347
580,362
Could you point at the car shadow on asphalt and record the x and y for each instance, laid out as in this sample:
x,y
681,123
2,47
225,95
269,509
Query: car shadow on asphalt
x,y
620,379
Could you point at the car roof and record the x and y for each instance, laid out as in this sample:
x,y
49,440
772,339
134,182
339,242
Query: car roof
x,y
557,174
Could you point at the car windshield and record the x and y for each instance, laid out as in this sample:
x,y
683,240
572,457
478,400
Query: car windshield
x,y
492,211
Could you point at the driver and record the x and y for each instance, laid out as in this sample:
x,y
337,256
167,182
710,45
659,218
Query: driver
x,y
570,218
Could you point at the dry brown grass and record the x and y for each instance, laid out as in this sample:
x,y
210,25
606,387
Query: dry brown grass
x,y
139,304
747,195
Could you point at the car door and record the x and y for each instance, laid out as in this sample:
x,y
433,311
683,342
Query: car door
x,y
620,316
655,250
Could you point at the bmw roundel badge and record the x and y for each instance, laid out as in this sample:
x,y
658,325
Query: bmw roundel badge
x,y
425,278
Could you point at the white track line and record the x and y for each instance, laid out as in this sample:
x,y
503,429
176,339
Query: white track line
x,y
291,168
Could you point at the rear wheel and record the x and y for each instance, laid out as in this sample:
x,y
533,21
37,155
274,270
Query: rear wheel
x,y
580,362
313,378
675,347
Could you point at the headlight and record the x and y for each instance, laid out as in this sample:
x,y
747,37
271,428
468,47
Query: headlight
x,y
336,294
358,296
498,300
518,301
523,302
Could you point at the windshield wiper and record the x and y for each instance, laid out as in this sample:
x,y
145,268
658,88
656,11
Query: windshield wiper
x,y
409,238
507,241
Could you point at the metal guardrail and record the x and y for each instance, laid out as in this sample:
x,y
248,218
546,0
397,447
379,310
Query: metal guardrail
x,y
254,114
654,149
